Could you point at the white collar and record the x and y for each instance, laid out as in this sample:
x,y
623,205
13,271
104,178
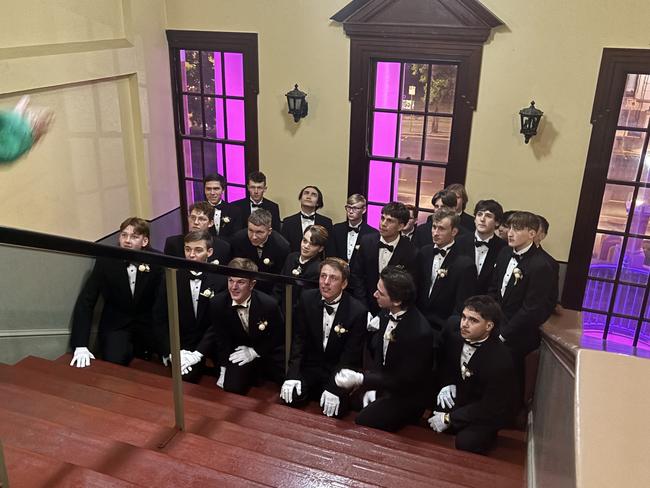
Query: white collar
x,y
479,238
246,303
524,250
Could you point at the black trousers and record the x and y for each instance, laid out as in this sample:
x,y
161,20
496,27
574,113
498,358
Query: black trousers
x,y
476,438
122,345
239,379
390,413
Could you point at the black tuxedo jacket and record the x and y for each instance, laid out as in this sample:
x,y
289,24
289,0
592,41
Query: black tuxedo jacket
x,y
274,254
146,309
466,247
226,333
554,296
308,271
337,245
422,236
448,293
487,395
467,224
344,350
365,267
525,302
192,328
292,228
175,246
230,222
407,373
244,208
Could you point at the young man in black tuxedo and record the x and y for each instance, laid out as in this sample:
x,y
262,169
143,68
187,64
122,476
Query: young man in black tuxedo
x,y
200,218
483,246
345,235
376,251
399,384
134,315
466,220
444,198
521,284
227,219
259,243
195,292
448,277
293,227
408,232
478,396
247,333
329,333
542,232
256,186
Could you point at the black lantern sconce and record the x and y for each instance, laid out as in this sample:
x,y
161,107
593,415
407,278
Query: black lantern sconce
x,y
297,103
530,118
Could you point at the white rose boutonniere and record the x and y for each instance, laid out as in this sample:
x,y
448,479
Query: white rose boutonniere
x,y
226,220
517,273
262,325
442,272
267,262
216,261
465,372
207,293
296,271
357,247
340,330
144,268
389,336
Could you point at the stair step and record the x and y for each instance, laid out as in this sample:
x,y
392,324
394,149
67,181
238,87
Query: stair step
x,y
29,469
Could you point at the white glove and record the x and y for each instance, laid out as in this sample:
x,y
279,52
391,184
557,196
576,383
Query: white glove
x,y
286,392
243,355
348,379
82,357
437,422
446,397
330,403
373,323
167,360
222,377
188,359
369,397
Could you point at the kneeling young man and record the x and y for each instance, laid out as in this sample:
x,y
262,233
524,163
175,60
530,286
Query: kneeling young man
x,y
399,383
247,332
476,369
329,334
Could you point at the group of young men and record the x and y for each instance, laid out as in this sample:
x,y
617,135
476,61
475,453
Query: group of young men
x,y
406,318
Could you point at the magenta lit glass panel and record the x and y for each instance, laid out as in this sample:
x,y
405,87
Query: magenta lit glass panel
x,y
193,191
235,116
593,324
220,126
644,337
379,174
234,70
218,84
384,132
641,213
598,295
387,85
628,300
192,158
621,330
235,166
220,159
234,193
374,215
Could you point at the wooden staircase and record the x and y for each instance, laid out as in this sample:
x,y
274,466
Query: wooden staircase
x,y
108,426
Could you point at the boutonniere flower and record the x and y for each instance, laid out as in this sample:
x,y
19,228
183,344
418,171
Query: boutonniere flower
x,y
465,372
296,271
389,336
216,261
144,268
267,261
207,293
262,325
357,247
442,272
340,330
518,274
225,220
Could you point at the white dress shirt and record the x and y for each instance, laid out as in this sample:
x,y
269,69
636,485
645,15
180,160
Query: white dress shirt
x,y
132,271
328,319
195,289
243,312
467,353
481,252
384,254
217,219
392,324
511,267
352,239
438,259
307,222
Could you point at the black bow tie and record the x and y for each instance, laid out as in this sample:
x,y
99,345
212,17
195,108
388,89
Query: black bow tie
x,y
478,243
195,275
395,318
329,307
256,205
475,345
386,246
353,229
238,306
517,257
308,217
437,250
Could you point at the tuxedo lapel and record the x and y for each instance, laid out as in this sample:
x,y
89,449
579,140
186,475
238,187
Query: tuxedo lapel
x,y
341,311
447,262
398,253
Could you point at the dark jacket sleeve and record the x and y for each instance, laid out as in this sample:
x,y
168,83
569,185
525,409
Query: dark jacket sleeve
x,y
83,311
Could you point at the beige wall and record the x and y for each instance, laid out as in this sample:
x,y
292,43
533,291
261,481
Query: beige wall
x,y
102,66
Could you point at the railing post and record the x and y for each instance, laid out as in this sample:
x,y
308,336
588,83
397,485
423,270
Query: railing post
x,y
288,322
4,477
175,347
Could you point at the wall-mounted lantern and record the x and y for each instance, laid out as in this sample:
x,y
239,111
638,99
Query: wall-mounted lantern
x,y
530,117
297,103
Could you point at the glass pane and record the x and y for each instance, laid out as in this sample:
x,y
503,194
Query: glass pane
x,y
628,299
443,88
437,139
194,191
384,130
406,183
387,85
379,175
374,215
193,115
593,324
646,314
423,216
645,172
414,86
604,258
190,77
615,207
598,294
636,261
192,158
214,125
410,140
644,336
626,154
235,115
635,108
211,66
212,158
621,331
235,193
432,180
641,213
235,166
234,70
